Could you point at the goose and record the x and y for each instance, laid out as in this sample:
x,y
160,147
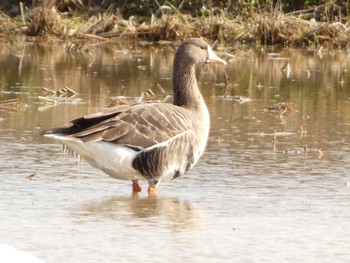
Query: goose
x,y
150,141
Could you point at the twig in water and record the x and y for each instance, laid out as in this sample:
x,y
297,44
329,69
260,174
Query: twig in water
x,y
302,132
320,153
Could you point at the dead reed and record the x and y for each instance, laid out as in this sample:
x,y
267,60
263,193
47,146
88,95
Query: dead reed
x,y
261,26
12,105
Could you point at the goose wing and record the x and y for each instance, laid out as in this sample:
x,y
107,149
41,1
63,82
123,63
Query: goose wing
x,y
139,126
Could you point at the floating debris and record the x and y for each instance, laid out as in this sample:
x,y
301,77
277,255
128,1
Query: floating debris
x,y
119,100
263,134
303,132
259,86
62,92
160,96
275,56
63,95
235,99
281,108
32,177
11,92
220,139
320,153
12,105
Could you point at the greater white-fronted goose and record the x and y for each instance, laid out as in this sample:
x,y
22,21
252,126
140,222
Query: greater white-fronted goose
x,y
152,141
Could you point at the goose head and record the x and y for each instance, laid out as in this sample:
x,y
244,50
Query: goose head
x,y
195,51
190,53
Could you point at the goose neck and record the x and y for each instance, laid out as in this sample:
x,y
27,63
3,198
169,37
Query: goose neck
x,y
186,92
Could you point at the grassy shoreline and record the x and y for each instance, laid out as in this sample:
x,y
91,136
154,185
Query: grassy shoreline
x,y
252,26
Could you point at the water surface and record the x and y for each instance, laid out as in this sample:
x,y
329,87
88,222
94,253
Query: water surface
x,y
271,187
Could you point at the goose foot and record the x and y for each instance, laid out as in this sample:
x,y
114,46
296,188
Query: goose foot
x,y
152,189
135,186
152,186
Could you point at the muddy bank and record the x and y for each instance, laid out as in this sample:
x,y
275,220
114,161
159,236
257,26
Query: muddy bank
x,y
319,25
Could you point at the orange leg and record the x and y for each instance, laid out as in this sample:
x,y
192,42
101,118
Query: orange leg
x,y
152,189
135,186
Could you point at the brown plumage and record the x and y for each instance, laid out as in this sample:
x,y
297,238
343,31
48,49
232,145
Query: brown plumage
x,y
150,141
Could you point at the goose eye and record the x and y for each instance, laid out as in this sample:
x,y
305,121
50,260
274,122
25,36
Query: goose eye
x,y
203,47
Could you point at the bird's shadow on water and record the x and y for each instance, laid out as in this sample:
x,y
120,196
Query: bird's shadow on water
x,y
171,211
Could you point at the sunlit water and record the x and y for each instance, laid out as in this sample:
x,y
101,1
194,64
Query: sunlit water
x,y
269,188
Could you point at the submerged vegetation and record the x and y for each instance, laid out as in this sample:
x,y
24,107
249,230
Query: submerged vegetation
x,y
290,23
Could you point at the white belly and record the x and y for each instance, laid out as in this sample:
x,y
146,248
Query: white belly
x,y
115,160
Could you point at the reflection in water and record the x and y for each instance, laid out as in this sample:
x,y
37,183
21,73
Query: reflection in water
x,y
175,212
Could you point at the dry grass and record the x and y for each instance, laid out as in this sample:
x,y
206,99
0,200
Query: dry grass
x,y
8,26
262,27
290,30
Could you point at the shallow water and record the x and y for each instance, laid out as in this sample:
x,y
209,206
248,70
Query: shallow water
x,y
269,188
